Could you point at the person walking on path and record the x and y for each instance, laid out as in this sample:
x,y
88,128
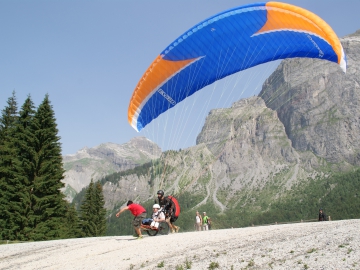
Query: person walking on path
x,y
139,213
205,222
322,215
198,221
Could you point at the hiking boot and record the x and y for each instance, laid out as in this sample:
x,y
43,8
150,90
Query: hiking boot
x,y
177,229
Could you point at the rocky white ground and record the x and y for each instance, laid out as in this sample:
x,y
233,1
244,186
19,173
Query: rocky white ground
x,y
316,245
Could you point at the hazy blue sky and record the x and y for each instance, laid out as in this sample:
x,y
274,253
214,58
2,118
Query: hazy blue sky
x,y
89,55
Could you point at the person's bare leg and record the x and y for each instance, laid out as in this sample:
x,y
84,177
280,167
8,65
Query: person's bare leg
x,y
138,231
170,225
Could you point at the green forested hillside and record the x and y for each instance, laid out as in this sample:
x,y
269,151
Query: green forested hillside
x,y
338,195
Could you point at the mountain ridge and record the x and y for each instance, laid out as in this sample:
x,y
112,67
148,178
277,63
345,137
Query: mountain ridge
x,y
99,161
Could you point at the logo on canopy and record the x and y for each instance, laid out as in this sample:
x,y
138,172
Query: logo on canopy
x,y
166,96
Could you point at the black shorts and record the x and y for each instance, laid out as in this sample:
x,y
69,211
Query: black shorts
x,y
173,219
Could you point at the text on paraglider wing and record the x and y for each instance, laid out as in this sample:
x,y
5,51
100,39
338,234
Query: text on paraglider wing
x,y
166,96
321,53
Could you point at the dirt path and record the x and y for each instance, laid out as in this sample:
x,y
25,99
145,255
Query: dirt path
x,y
317,245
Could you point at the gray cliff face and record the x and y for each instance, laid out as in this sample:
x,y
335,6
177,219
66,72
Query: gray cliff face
x,y
249,130
95,163
252,151
319,104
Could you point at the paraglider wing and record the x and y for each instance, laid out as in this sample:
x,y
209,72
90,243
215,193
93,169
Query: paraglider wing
x,y
226,43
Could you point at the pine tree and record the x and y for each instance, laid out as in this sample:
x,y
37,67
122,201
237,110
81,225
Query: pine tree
x,y
72,228
100,210
93,213
8,117
48,207
88,211
8,165
23,142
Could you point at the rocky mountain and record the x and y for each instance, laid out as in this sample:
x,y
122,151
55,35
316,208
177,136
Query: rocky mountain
x,y
303,124
319,105
95,163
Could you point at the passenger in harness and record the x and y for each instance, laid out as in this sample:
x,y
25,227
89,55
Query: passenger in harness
x,y
156,217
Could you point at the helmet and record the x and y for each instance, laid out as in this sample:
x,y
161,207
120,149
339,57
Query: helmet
x,y
156,206
160,192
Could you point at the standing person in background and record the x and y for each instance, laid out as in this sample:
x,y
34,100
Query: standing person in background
x,y
139,213
322,215
198,221
209,223
205,222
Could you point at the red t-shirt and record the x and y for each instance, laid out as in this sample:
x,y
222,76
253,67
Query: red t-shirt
x,y
136,209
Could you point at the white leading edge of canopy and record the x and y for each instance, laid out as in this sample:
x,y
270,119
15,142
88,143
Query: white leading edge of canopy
x,y
138,110
343,60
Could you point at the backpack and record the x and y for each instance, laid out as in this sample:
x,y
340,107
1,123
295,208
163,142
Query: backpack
x,y
177,205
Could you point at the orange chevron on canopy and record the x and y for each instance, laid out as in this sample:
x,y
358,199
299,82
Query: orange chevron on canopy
x,y
282,16
161,70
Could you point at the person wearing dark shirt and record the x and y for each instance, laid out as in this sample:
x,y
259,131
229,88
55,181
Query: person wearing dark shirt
x,y
139,214
322,215
209,223
169,207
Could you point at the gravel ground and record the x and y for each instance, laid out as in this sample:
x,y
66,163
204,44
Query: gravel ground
x,y
315,245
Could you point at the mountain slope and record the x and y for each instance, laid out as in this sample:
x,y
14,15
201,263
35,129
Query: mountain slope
x,y
107,158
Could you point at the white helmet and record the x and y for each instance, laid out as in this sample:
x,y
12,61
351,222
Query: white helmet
x,y
156,206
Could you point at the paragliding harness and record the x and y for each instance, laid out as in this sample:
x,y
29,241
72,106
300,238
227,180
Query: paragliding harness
x,y
173,214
